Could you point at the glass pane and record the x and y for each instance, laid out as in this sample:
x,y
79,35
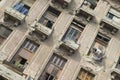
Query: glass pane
x,y
69,33
109,15
75,35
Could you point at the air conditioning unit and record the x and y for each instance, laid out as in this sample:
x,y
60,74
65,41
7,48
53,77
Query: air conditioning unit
x,y
98,54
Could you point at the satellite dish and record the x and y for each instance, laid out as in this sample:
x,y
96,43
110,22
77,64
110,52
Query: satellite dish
x,y
98,54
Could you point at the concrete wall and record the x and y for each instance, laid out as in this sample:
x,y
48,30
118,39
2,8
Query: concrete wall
x,y
48,47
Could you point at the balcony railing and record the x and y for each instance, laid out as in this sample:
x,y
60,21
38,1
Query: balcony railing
x,y
87,10
111,22
64,3
43,29
13,67
81,19
14,13
69,45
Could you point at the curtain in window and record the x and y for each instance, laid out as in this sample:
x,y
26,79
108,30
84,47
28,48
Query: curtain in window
x,y
20,7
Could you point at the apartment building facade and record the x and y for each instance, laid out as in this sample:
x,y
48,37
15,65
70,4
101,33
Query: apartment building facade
x,y
59,40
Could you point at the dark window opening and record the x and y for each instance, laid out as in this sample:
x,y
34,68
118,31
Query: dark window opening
x,y
102,38
49,17
2,78
23,61
49,77
109,15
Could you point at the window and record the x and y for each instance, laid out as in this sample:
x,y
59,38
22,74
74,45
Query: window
x,y
104,40
99,46
22,8
30,45
2,78
24,55
85,75
49,17
53,68
109,15
114,15
4,33
74,31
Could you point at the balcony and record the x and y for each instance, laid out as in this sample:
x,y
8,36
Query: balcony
x,y
19,63
87,12
111,22
85,15
63,3
88,7
81,19
14,14
13,67
44,31
115,75
69,45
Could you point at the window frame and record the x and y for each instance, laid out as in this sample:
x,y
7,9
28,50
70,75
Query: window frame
x,y
76,28
51,11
